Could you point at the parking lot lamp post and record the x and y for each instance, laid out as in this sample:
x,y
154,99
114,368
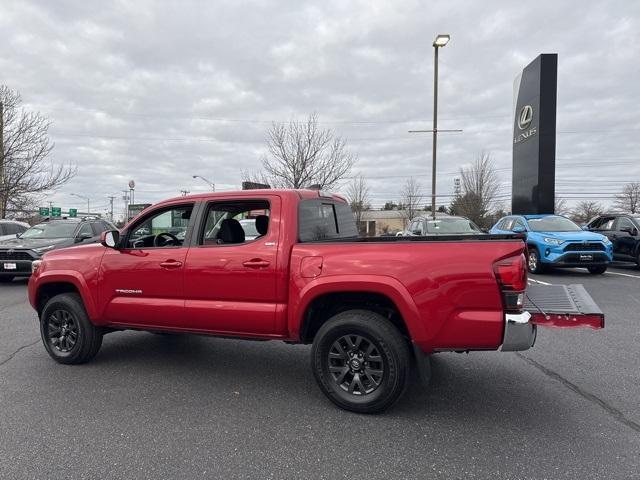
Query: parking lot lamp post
x,y
211,184
440,41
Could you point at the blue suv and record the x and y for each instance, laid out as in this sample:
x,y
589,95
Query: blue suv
x,y
555,241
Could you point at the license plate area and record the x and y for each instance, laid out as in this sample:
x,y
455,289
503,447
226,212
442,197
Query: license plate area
x,y
586,257
562,306
9,266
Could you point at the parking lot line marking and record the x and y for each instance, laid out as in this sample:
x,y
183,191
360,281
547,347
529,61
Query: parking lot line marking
x,y
622,274
540,282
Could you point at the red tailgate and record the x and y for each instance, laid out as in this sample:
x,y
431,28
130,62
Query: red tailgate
x,y
562,306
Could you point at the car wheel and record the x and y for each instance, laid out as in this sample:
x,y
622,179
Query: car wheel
x,y
360,361
6,279
67,333
599,270
533,261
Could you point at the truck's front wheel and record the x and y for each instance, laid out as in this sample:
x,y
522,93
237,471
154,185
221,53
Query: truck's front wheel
x,y
360,361
67,333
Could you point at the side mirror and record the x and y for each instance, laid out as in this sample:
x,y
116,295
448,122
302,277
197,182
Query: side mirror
x,y
519,229
417,232
630,230
82,237
586,227
110,238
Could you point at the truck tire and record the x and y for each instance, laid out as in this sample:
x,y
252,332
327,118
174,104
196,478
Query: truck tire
x,y
67,333
533,261
597,270
361,361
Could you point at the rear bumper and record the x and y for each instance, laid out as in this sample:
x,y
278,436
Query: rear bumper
x,y
519,332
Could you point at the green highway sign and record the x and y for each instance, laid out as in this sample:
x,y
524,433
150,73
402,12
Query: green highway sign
x,y
44,212
73,212
56,212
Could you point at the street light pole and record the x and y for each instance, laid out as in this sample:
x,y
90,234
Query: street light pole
x,y
211,184
440,41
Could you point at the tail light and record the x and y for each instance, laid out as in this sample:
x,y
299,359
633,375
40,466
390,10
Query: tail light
x,y
511,274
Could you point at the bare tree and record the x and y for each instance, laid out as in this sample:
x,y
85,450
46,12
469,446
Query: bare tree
x,y
629,199
585,211
479,190
560,206
301,154
410,198
358,196
24,146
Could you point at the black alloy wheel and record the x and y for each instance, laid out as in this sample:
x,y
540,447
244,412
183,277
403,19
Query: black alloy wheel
x,y
62,331
361,361
66,330
356,364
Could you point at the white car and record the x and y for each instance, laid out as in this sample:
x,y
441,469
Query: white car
x,y
10,228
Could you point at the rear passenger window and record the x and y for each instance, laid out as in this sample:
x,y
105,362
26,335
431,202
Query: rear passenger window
x,y
324,220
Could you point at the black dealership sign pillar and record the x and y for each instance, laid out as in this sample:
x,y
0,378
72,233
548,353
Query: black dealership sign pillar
x,y
534,137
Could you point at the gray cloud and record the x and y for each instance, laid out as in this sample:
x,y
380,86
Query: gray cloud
x,y
159,91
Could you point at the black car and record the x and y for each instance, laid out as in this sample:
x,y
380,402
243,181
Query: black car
x,y
623,231
17,254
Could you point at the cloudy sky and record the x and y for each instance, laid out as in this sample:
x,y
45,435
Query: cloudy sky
x,y
158,91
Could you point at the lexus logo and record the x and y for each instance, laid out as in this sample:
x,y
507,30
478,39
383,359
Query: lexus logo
x,y
525,117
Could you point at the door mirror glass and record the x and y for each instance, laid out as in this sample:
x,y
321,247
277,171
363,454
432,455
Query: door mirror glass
x,y
83,236
110,238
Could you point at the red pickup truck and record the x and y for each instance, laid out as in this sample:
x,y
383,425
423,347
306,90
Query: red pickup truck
x,y
289,265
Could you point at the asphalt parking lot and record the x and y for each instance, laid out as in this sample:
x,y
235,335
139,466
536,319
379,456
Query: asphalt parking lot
x,y
153,406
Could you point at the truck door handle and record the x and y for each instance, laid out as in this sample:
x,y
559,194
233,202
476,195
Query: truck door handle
x,y
256,263
169,264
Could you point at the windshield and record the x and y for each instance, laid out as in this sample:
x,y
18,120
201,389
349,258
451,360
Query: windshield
x,y
452,225
553,224
50,230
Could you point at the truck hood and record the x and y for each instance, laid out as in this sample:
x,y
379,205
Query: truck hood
x,y
573,236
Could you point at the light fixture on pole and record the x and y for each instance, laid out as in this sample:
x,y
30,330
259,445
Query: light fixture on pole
x,y
440,41
211,184
84,198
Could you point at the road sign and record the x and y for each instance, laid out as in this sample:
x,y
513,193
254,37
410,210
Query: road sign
x,y
135,209
44,212
56,212
73,212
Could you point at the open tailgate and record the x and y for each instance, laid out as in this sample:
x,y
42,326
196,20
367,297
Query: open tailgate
x,y
562,306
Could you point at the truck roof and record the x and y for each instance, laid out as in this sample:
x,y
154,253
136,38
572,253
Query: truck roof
x,y
298,193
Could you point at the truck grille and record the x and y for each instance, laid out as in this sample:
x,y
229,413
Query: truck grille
x,y
14,255
584,247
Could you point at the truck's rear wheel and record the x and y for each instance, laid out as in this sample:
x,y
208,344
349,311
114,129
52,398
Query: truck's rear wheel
x,y
67,333
360,361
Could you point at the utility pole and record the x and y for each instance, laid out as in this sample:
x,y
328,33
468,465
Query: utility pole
x,y
111,197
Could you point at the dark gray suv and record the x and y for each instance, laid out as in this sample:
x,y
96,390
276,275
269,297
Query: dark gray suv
x,y
17,253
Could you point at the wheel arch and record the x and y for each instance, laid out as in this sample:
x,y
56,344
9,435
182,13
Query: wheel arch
x,y
324,298
51,285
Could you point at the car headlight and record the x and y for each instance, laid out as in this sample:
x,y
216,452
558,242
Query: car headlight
x,y
553,241
35,265
41,250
